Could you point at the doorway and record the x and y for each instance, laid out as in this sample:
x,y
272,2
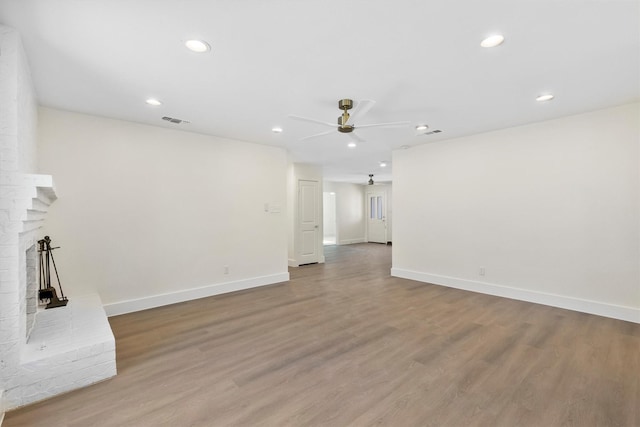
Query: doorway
x,y
329,219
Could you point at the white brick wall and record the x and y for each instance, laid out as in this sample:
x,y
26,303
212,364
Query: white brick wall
x,y
68,347
32,288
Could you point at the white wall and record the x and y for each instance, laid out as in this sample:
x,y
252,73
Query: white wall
x,y
150,216
350,211
550,210
329,215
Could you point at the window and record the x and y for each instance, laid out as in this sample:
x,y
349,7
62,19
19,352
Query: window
x,y
372,208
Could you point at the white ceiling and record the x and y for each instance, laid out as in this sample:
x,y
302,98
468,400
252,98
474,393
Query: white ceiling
x,y
420,61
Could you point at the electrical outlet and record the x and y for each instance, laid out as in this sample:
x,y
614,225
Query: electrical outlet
x,y
226,269
481,271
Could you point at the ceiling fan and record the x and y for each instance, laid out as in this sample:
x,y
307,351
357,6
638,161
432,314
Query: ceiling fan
x,y
345,121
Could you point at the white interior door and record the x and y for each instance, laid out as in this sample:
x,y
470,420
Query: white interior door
x,y
376,217
309,221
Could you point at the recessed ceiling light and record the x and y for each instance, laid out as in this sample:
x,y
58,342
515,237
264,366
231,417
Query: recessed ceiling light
x,y
198,46
383,164
422,127
153,101
544,97
276,129
352,145
492,41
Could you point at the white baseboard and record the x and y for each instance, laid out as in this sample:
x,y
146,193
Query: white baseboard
x,y
129,306
294,263
629,314
350,241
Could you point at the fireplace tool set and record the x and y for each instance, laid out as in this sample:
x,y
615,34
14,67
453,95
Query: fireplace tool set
x,y
47,293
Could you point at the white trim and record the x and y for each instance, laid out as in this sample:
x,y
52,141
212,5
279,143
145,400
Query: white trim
x,y
629,314
351,241
129,306
294,263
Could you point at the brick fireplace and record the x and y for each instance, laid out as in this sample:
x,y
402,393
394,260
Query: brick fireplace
x,y
43,352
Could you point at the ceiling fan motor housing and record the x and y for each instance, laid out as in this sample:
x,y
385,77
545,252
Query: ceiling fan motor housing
x,y
345,104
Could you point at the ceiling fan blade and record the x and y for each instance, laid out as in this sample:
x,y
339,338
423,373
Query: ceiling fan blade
x,y
306,119
318,134
378,125
361,109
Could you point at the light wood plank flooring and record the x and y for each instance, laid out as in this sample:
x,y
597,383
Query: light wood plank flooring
x,y
346,344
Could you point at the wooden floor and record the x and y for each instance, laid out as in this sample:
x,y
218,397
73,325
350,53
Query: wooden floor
x,y
346,344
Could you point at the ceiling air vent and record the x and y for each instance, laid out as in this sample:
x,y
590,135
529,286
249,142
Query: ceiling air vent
x,y
433,131
174,120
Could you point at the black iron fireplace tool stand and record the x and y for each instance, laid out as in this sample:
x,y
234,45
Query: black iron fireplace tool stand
x,y
46,291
